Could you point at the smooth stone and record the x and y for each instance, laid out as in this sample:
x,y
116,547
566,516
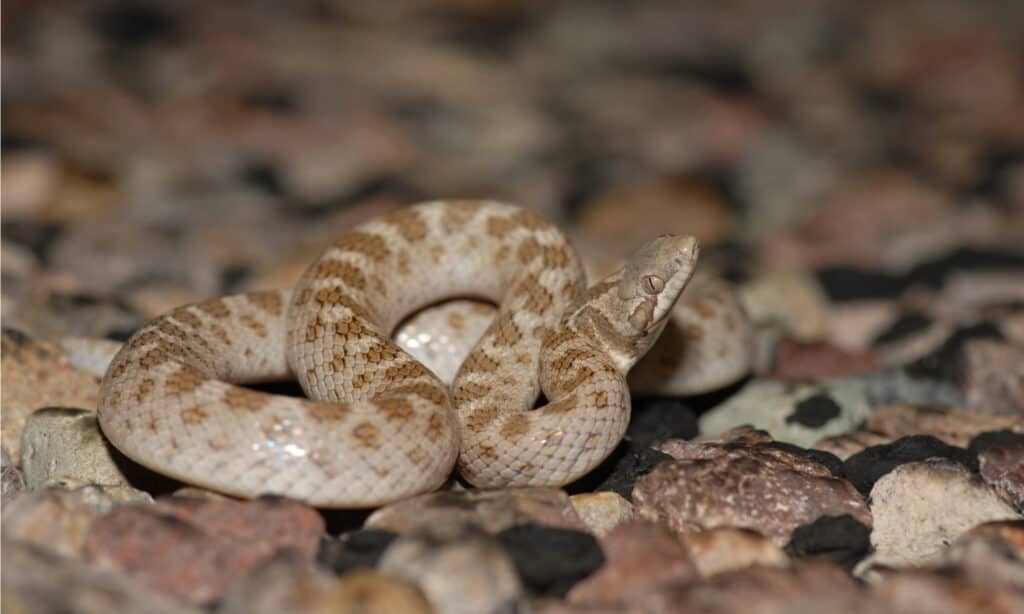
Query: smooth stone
x,y
551,560
919,508
848,444
725,549
799,413
90,354
459,567
61,442
602,511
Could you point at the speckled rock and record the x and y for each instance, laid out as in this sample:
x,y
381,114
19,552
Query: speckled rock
x,y
194,549
289,582
60,442
459,567
602,511
864,468
799,413
1001,463
492,510
640,557
10,478
766,489
37,374
919,508
551,560
728,549
952,425
357,550
993,377
36,579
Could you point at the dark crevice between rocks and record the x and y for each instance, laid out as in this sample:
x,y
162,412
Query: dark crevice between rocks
x,y
360,549
946,363
907,325
551,560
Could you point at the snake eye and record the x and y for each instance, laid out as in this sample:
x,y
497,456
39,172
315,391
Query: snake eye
x,y
652,284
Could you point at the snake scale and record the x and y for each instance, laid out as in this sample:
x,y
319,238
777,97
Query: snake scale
x,y
378,425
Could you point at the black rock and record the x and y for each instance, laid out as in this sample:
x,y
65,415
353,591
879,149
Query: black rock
x,y
655,419
831,462
946,363
997,439
551,560
840,539
622,470
908,325
847,284
359,549
864,468
814,411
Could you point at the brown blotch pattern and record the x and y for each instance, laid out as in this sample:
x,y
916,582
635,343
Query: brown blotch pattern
x,y
540,297
269,302
458,213
349,274
395,409
366,435
326,412
194,415
409,224
374,247
435,426
515,426
216,309
499,226
186,317
143,390
184,380
221,334
529,219
253,324
528,249
508,334
245,400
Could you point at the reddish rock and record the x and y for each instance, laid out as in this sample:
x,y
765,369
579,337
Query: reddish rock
x,y
993,377
57,519
952,425
945,593
802,361
640,558
729,549
195,549
1001,462
991,553
769,490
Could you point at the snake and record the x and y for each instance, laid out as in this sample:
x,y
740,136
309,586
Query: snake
x,y
376,424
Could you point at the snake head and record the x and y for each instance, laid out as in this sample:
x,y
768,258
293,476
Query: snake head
x,y
652,280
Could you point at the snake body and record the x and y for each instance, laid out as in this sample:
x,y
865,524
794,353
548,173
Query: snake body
x,y
378,425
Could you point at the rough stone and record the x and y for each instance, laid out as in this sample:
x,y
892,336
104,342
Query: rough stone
x,y
1001,463
864,468
36,579
839,539
799,413
90,354
10,478
36,374
602,511
640,557
766,489
551,560
493,510
952,425
60,442
919,508
459,567
728,549
195,549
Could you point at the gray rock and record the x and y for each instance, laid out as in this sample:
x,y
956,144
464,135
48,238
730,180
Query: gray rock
x,y
62,442
920,508
798,413
459,567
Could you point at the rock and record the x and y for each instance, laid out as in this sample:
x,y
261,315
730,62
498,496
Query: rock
x,y
36,579
854,325
37,374
60,442
796,361
952,425
990,553
602,511
628,468
845,446
908,385
10,478
948,362
1001,463
551,560
357,550
919,508
728,549
769,490
993,377
864,468
658,418
799,413
640,557
195,549
790,299
289,582
458,566
492,510
90,354
944,593
839,539
58,518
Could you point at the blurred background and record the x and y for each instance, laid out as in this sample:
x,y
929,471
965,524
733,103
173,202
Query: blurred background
x,y
156,153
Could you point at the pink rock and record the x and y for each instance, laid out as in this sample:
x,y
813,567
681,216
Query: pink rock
x,y
954,425
802,361
194,549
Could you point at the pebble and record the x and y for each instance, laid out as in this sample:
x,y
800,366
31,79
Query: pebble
x,y
36,374
459,567
551,560
993,377
37,579
919,508
839,539
602,511
728,549
864,468
1001,464
13,483
799,413
289,582
60,442
640,557
769,490
194,549
492,510
953,425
